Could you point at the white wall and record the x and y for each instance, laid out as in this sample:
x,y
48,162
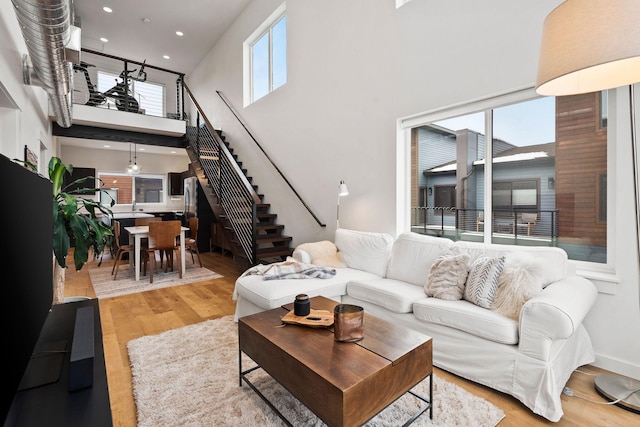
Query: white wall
x,y
356,67
23,120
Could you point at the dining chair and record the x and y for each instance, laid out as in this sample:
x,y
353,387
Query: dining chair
x,y
120,249
162,237
145,221
192,241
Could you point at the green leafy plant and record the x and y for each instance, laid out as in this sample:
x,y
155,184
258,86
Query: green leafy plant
x,y
75,218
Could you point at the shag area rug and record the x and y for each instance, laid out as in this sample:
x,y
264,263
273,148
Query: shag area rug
x,y
106,287
189,377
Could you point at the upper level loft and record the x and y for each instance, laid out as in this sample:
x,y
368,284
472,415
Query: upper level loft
x,y
124,95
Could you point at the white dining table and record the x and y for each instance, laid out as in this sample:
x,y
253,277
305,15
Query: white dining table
x,y
139,232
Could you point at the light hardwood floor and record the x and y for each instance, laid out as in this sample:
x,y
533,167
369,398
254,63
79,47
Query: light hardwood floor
x,y
127,317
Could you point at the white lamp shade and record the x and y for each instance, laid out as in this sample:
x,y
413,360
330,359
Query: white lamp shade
x,y
588,46
342,189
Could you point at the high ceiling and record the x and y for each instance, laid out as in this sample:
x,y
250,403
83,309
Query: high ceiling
x,y
141,30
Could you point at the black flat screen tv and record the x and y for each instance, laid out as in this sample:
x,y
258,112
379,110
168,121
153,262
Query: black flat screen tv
x,y
26,225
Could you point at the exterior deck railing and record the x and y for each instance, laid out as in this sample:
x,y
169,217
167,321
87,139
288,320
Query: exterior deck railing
x,y
534,224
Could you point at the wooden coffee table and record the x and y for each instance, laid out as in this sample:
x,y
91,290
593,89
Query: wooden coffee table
x,y
344,384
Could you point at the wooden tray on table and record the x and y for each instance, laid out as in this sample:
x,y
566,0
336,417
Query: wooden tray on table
x,y
315,319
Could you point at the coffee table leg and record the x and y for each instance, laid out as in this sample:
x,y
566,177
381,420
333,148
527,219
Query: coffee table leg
x,y
243,376
240,367
429,403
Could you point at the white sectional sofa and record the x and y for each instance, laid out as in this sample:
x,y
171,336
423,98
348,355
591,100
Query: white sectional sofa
x,y
530,356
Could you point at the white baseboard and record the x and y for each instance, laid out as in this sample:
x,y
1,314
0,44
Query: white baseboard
x,y
618,366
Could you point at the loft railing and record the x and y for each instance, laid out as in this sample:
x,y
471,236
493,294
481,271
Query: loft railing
x,y
166,95
277,169
235,193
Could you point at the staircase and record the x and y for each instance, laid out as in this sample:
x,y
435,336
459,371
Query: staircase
x,y
247,222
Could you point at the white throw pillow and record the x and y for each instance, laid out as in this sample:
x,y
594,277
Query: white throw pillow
x,y
521,279
324,253
448,275
482,282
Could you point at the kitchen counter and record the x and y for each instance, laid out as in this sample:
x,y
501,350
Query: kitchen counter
x,y
126,215
121,215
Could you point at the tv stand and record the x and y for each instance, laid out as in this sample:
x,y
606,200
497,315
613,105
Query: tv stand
x,y
53,403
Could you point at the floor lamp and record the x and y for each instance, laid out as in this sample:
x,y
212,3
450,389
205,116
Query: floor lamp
x,y
588,47
342,191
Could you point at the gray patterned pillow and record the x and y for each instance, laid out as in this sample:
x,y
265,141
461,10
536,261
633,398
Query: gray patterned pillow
x,y
482,282
447,276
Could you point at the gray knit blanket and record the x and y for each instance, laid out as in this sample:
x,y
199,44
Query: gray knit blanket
x,y
290,269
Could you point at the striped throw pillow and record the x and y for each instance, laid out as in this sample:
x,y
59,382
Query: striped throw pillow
x,y
482,282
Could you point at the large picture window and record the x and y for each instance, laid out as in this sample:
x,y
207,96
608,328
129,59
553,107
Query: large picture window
x,y
536,167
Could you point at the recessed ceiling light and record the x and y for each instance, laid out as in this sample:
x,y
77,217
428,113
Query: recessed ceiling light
x,y
107,9
106,146
173,152
166,56
104,40
141,149
179,33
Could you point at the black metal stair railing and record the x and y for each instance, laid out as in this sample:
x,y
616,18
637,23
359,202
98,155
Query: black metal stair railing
x,y
237,197
271,162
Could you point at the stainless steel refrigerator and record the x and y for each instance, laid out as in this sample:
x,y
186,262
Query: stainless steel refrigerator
x,y
190,197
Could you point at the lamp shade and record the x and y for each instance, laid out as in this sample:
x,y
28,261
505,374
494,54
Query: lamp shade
x,y
588,46
342,189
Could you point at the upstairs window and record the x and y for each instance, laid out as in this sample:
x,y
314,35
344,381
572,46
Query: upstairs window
x,y
265,57
150,96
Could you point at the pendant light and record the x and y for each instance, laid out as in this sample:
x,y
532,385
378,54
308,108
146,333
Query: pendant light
x,y
130,167
133,168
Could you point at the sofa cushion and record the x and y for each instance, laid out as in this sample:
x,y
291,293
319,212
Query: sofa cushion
x,y
388,293
467,317
364,251
482,282
448,276
520,280
554,260
412,256
269,294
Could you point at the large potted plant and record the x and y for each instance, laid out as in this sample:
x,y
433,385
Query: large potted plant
x,y
75,220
